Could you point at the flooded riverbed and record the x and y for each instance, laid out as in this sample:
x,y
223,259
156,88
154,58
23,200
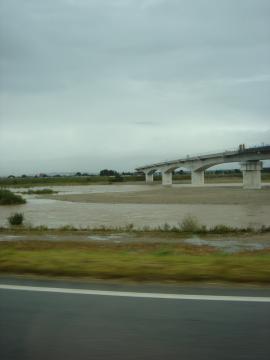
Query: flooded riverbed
x,y
54,213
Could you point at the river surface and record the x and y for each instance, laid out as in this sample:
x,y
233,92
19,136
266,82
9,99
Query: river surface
x,y
54,213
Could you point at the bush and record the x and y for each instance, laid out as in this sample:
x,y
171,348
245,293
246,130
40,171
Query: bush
x,y
7,197
40,192
16,219
107,172
222,229
190,224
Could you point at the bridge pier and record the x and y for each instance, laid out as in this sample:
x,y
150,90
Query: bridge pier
x,y
249,158
251,170
197,177
166,178
149,178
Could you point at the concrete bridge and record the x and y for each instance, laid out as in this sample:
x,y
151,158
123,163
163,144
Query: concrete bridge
x,y
250,160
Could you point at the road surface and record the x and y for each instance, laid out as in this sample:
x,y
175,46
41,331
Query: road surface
x,y
131,322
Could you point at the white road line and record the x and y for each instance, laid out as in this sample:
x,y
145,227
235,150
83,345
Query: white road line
x,y
136,294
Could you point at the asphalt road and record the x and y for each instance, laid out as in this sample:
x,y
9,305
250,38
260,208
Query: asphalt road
x,y
52,325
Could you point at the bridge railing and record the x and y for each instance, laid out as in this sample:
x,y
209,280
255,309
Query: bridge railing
x,y
197,156
192,156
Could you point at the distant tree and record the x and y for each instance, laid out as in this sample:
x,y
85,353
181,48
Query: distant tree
x,y
107,172
24,176
78,174
11,177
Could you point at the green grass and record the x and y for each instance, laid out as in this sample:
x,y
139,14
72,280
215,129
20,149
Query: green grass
x,y
142,262
9,198
96,179
64,180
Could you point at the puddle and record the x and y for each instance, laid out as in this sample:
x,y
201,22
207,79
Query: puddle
x,y
11,237
51,237
228,246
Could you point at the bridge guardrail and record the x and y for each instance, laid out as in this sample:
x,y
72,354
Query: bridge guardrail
x,y
228,152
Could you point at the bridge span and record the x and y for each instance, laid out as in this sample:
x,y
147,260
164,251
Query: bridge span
x,y
250,160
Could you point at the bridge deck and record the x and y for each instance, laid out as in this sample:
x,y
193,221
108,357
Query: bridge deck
x,y
226,154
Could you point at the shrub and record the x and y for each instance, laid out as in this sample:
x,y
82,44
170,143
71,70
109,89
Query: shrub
x,y
7,197
41,191
190,224
106,172
165,227
222,229
16,219
129,227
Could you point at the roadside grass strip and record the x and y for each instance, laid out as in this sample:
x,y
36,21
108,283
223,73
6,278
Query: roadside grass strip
x,y
137,261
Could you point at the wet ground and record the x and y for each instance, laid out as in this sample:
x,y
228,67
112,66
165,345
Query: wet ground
x,y
225,243
245,208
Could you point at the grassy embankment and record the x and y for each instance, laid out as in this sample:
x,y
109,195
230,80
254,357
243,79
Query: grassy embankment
x,y
94,180
137,261
152,255
64,180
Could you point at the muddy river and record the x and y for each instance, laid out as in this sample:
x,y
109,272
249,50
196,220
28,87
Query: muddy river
x,y
56,213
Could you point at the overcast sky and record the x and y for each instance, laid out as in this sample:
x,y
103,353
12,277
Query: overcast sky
x,y
92,84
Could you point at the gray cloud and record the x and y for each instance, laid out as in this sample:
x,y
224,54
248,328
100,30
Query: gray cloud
x,y
97,77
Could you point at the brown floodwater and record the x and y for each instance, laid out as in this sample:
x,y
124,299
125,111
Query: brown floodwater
x,y
54,213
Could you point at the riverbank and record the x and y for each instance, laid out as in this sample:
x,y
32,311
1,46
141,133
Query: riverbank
x,y
140,260
28,181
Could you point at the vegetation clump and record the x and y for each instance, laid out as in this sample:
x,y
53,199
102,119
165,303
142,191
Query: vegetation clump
x,y
106,172
191,224
40,192
7,197
16,219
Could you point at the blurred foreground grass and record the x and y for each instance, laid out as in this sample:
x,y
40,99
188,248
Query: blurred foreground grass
x,y
137,261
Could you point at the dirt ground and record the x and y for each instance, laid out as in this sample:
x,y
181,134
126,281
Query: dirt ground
x,y
176,195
